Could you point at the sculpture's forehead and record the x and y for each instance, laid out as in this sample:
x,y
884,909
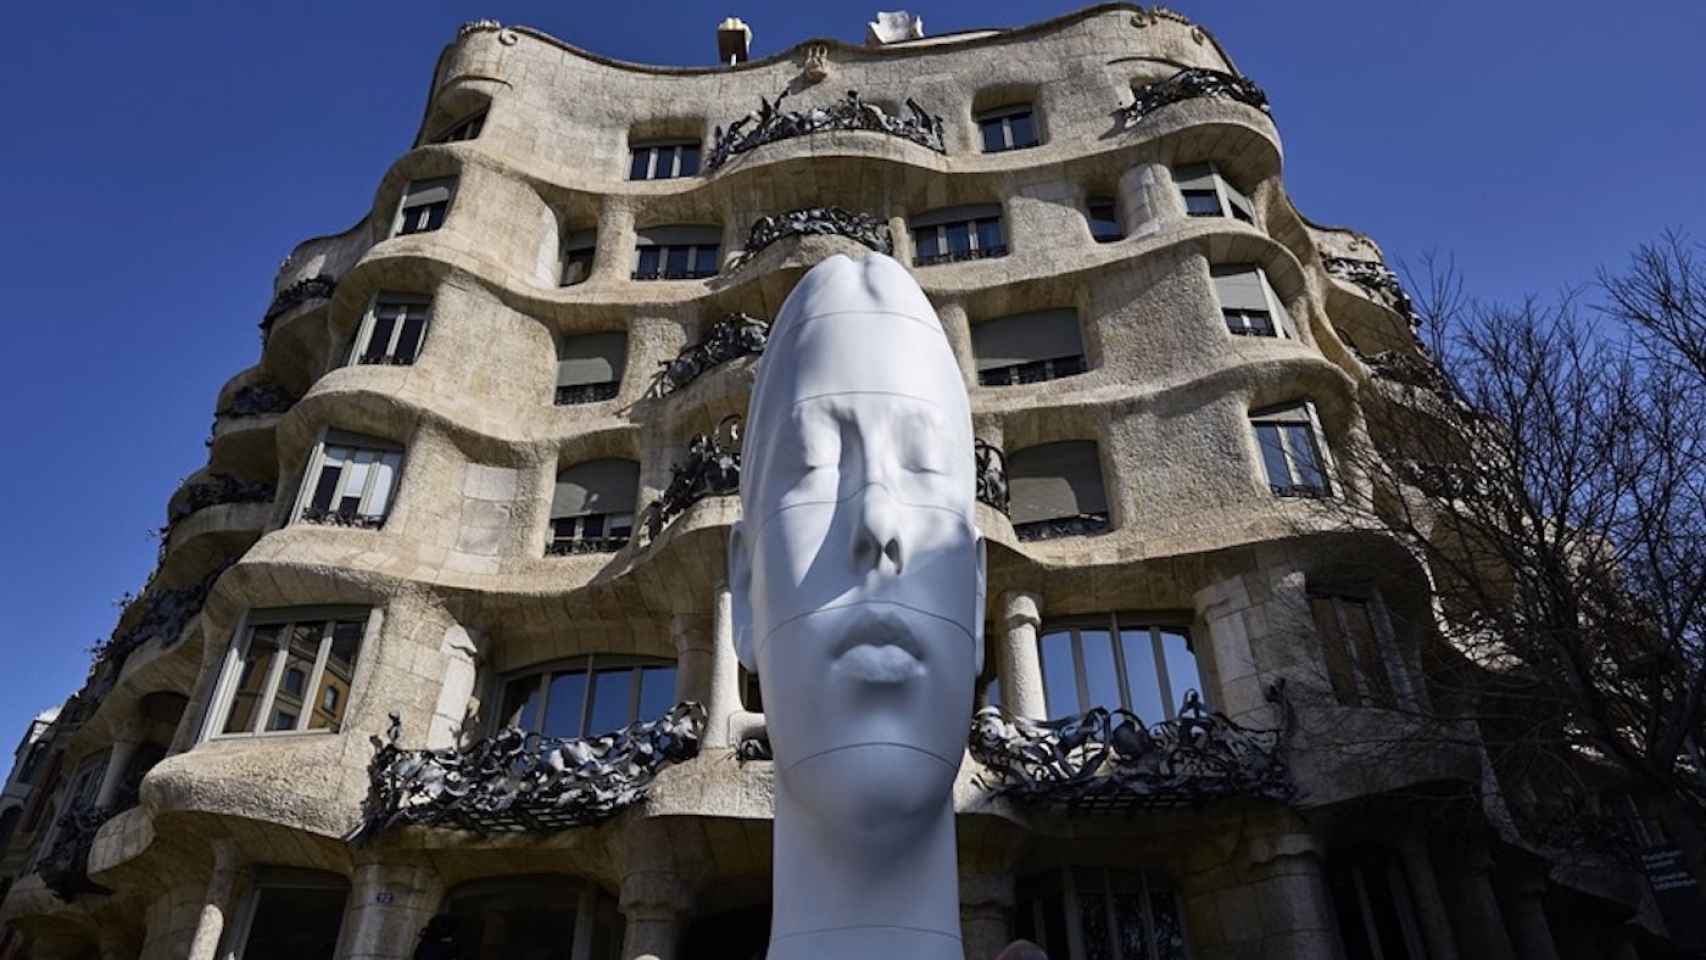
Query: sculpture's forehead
x,y
856,352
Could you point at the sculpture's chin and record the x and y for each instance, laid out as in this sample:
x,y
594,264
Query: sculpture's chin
x,y
872,790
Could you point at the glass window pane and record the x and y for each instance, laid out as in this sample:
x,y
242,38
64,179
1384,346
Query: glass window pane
x,y
1365,647
384,479
251,682
657,692
1169,928
1093,914
705,261
925,242
689,162
566,704
959,237
994,135
1127,891
1139,651
333,692
521,703
383,324
304,650
1182,673
679,260
610,701
1060,679
1303,458
649,257
1100,675
1202,203
435,215
355,480
326,486
989,234
409,343
638,166
1339,671
295,923
1273,454
1024,130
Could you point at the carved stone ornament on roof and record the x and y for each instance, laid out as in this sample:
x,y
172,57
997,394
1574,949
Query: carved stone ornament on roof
x,y
476,26
814,62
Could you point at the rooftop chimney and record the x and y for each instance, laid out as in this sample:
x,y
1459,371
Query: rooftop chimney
x,y
734,41
893,26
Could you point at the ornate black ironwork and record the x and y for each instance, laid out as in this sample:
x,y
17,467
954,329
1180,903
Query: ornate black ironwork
x,y
257,399
164,615
213,490
770,123
1111,760
991,474
961,256
1377,278
755,748
1190,83
587,393
678,273
712,470
818,221
64,869
735,335
515,781
339,518
578,546
1082,525
302,291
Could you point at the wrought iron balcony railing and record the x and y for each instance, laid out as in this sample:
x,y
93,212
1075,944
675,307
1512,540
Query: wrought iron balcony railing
x,y
1190,83
712,470
1082,525
213,490
302,291
578,546
64,868
587,393
1378,279
735,335
961,256
515,781
817,221
257,399
991,475
1112,761
685,273
770,123
340,518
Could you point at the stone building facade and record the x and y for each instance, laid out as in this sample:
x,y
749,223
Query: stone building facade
x,y
479,479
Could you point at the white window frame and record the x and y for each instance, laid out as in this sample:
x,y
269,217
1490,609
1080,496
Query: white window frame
x,y
588,664
317,462
579,534
1170,702
219,704
1232,201
276,878
1298,412
369,319
1392,659
420,186
656,150
1004,116
1279,315
456,133
973,252
694,252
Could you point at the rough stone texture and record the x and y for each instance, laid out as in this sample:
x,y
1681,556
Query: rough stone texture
x,y
458,580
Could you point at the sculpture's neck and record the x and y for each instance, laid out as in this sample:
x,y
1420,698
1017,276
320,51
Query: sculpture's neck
x,y
840,894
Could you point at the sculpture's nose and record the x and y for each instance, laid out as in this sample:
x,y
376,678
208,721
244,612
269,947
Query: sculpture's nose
x,y
876,541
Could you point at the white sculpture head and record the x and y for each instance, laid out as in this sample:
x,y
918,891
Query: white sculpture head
x,y
857,572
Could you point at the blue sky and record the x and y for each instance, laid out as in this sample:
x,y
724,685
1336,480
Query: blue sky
x,y
161,160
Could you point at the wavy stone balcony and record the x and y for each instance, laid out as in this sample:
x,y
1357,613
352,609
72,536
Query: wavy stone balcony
x,y
770,124
1191,83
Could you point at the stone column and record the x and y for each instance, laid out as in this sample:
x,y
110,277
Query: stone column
x,y
1475,913
956,326
614,257
986,902
117,761
461,652
1016,655
389,903
217,908
1424,894
652,905
1148,199
694,653
722,694
1525,915
1259,892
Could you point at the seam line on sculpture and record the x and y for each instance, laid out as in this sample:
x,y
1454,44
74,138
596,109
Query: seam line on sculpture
x,y
874,743
867,393
861,603
869,926
759,529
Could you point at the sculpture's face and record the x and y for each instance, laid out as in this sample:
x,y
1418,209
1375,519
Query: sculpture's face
x,y
857,570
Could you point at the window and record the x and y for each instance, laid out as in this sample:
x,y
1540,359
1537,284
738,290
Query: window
x,y
1055,490
291,671
1357,657
1028,347
424,206
555,917
578,252
593,509
468,129
589,367
392,330
1248,302
1103,215
589,696
1208,194
27,769
664,161
1117,662
958,233
84,787
1291,453
350,481
1010,128
1372,902
678,253
9,825
292,915
1089,913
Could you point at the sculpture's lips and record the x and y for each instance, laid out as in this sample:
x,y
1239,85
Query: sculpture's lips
x,y
879,647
